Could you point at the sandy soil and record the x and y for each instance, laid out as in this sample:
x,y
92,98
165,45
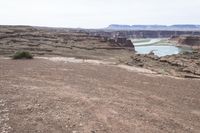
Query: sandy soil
x,y
48,96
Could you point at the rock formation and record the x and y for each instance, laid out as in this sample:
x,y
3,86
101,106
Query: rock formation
x,y
186,27
55,42
142,33
122,42
192,41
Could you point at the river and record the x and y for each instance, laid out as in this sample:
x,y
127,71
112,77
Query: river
x,y
159,47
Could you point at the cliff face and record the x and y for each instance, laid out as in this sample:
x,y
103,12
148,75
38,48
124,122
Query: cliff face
x,y
124,42
187,27
192,41
55,41
143,33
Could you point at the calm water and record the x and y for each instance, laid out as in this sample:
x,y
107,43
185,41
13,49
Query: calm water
x,y
159,49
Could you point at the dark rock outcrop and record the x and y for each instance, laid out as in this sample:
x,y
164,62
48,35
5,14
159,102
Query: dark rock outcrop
x,y
112,41
122,42
192,41
129,43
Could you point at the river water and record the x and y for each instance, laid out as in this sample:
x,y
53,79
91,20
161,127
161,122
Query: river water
x,y
160,47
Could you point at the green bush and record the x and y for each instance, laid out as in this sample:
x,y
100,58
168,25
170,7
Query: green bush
x,y
22,55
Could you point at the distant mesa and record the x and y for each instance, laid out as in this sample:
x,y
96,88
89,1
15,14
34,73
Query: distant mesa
x,y
179,27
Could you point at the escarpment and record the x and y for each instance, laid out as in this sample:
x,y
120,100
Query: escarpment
x,y
59,42
191,41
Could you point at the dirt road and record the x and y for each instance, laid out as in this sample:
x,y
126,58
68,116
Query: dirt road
x,y
55,97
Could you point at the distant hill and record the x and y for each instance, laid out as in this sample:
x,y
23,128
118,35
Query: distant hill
x,y
186,27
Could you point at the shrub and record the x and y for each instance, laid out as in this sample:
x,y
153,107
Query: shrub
x,y
22,55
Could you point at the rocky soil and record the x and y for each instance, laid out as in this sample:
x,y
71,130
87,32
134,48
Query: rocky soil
x,y
104,88
182,65
47,96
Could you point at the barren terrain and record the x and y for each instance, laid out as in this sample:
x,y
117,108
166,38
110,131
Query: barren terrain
x,y
86,44
42,95
79,82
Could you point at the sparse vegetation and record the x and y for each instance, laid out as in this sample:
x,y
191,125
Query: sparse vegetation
x,y
22,55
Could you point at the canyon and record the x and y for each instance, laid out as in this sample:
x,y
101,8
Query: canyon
x,y
142,33
93,81
190,41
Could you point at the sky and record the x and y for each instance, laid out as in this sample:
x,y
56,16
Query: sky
x,y
98,13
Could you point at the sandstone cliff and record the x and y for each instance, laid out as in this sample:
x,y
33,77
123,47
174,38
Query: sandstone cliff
x,y
55,41
191,41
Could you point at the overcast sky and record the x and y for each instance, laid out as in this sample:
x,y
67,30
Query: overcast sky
x,y
98,13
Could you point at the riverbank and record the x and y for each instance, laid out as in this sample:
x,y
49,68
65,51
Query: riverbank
x,y
171,58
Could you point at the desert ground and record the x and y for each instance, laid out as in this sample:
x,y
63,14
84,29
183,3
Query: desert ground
x,y
43,95
82,83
